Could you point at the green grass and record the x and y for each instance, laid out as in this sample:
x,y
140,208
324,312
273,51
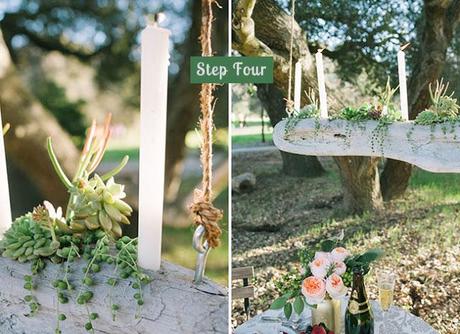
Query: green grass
x,y
434,186
251,139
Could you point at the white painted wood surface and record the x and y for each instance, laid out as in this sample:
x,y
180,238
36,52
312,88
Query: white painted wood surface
x,y
173,304
434,149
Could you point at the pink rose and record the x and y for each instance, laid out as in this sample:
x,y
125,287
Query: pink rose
x,y
339,254
319,267
335,286
322,255
314,290
340,268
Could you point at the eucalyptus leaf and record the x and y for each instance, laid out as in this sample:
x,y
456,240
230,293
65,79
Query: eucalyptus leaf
x,y
279,303
299,305
288,310
328,245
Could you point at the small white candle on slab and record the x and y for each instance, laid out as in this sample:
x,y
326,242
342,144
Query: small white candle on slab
x,y
5,208
402,83
297,85
321,84
154,88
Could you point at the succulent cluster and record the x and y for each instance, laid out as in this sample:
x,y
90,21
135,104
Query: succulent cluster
x,y
27,240
98,205
444,107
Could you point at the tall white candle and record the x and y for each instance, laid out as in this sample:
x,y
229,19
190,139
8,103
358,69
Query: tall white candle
x,y
154,87
321,84
5,208
297,85
402,83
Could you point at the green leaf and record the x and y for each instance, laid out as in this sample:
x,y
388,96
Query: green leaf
x,y
328,245
370,256
279,303
288,310
299,305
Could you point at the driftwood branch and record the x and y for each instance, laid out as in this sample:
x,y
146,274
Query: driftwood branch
x,y
173,304
434,149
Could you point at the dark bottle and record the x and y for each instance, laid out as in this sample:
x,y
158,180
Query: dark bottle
x,y
358,317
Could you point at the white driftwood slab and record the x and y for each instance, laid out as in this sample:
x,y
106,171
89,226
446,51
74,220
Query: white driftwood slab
x,y
173,304
433,149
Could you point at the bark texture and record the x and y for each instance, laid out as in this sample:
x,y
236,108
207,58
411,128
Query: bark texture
x,y
293,164
172,303
31,124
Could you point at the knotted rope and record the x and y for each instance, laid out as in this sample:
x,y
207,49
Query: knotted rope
x,y
202,209
289,102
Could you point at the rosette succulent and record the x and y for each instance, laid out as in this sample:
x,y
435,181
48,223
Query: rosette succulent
x,y
99,205
27,240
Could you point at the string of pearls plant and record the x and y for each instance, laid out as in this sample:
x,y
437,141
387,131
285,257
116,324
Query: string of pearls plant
x,y
89,231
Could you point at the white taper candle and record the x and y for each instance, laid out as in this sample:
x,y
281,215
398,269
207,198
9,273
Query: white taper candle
x,y
402,83
154,88
321,84
5,206
297,85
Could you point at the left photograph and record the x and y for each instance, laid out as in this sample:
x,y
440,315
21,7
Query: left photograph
x,y
113,168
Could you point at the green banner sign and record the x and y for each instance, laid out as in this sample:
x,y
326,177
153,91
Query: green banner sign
x,y
231,70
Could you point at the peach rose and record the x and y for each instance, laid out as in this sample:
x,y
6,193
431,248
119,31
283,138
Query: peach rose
x,y
320,266
322,255
340,268
339,254
335,286
314,290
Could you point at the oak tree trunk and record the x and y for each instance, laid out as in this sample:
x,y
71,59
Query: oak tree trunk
x,y
31,124
293,164
360,177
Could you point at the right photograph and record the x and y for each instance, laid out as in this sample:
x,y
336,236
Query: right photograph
x,y
345,170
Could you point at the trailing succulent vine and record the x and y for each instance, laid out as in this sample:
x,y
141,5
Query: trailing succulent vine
x,y
90,230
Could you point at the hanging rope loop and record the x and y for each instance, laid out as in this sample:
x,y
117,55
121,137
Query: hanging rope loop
x,y
202,209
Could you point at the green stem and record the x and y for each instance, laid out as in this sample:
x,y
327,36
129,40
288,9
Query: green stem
x,y
116,170
57,167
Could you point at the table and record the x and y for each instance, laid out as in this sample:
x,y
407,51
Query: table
x,y
397,321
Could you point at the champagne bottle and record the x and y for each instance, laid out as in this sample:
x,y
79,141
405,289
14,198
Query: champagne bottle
x,y
358,317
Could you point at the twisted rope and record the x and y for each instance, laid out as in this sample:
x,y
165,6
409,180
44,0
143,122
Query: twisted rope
x,y
202,209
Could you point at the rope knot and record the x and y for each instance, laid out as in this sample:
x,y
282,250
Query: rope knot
x,y
204,213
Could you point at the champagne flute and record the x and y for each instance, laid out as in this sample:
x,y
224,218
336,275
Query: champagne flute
x,y
386,282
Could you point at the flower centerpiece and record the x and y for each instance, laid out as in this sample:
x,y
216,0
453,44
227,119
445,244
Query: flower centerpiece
x,y
326,277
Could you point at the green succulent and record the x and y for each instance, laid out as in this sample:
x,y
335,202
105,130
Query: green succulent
x,y
99,205
353,114
427,117
443,105
27,240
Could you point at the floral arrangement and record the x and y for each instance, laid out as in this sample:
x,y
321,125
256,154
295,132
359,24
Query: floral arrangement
x,y
327,273
91,229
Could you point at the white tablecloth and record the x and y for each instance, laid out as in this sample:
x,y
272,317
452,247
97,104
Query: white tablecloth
x,y
397,321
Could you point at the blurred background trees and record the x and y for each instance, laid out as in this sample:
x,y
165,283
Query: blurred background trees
x,y
64,63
